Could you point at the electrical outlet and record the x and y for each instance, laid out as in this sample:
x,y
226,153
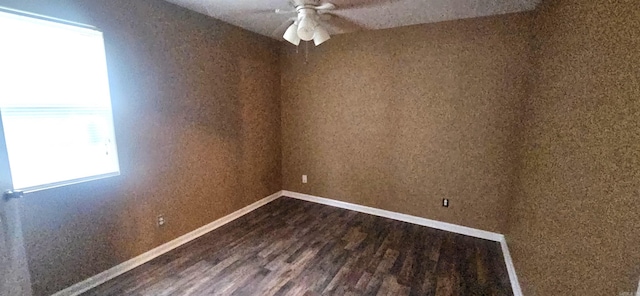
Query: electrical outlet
x,y
161,221
304,179
445,202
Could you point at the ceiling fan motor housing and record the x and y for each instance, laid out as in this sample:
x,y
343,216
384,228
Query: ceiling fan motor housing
x,y
307,22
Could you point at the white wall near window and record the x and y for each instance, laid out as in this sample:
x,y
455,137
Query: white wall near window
x,y
55,103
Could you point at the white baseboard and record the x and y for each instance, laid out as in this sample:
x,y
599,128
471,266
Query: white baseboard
x,y
398,216
513,278
511,269
130,264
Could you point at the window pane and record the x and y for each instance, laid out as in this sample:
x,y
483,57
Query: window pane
x,y
55,102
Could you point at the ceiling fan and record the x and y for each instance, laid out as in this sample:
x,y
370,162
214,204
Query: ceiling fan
x,y
309,22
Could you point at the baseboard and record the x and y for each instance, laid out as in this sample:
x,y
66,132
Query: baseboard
x,y
130,264
513,278
511,269
398,216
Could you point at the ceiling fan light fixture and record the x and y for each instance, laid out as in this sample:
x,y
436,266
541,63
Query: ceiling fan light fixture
x,y
291,34
307,25
320,36
306,28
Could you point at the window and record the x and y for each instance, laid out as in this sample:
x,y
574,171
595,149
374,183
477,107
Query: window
x,y
54,103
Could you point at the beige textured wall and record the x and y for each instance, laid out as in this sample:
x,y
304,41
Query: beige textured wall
x,y
196,105
576,229
395,119
399,119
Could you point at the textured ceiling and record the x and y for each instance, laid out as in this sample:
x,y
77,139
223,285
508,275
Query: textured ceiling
x,y
353,15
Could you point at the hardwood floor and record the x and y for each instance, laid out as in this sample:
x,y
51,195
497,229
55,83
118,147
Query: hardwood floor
x,y
293,247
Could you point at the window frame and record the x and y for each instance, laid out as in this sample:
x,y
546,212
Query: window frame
x,y
4,156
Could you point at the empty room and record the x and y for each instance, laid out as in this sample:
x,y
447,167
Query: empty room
x,y
319,147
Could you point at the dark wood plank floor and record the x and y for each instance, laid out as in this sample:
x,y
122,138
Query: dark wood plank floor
x,y
292,247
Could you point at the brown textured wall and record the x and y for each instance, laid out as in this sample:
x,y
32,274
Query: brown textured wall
x,y
196,108
576,226
399,119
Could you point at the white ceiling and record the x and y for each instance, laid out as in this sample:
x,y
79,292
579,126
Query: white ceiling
x,y
353,15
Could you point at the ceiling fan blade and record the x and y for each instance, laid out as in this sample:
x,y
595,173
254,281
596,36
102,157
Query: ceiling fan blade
x,y
291,9
355,4
279,31
326,6
338,24
261,11
284,11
